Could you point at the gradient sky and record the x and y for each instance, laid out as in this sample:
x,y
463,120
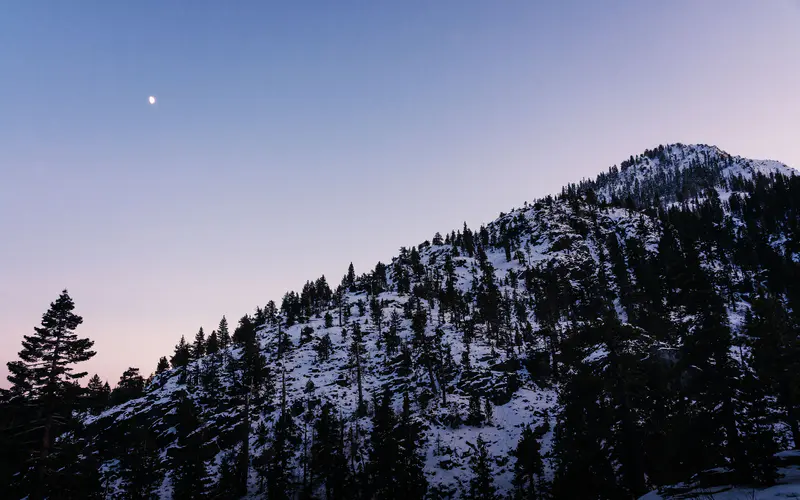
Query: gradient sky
x,y
291,138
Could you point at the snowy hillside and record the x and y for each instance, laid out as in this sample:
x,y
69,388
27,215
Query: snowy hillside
x,y
573,321
678,172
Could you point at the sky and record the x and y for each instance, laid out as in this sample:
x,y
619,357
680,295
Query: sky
x,y
292,138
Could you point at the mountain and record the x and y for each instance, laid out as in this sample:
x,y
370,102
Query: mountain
x,y
638,331
676,173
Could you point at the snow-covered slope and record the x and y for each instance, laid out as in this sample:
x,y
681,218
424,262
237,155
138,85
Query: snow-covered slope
x,y
678,172
561,237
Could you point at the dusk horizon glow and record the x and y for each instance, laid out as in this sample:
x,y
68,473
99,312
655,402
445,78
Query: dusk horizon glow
x,y
284,142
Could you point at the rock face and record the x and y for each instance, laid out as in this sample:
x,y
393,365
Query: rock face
x,y
613,323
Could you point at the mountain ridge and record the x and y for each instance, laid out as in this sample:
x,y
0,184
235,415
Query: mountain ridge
x,y
505,336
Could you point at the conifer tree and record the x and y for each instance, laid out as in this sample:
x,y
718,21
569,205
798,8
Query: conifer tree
x,y
245,332
229,486
383,454
130,386
350,278
376,315
97,394
76,472
481,484
278,460
708,420
487,411
529,467
357,353
474,413
468,243
139,462
445,367
582,460
191,479
199,346
411,483
776,357
212,345
328,461
45,376
419,321
324,347
223,334
393,334
163,365
182,354
306,335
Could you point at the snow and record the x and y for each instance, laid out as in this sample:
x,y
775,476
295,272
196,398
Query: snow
x,y
788,486
529,405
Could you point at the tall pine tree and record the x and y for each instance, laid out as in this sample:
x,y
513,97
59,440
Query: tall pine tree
x,y
45,376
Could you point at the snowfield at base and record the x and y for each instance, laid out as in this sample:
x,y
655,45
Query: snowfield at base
x,y
788,486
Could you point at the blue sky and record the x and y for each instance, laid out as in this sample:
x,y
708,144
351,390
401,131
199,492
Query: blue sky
x,y
290,138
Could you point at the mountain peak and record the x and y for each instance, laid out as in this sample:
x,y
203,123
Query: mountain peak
x,y
678,172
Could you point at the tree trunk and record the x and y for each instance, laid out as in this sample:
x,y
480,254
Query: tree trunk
x,y
244,459
358,376
788,402
48,425
41,473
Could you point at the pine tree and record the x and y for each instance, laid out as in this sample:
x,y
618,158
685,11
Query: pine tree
x,y
776,357
383,454
229,486
582,459
163,365
324,347
328,461
199,346
212,346
357,353
350,279
708,420
376,315
210,379
223,334
182,354
306,335
419,321
474,413
411,483
97,394
445,368
139,463
279,455
191,479
130,386
529,467
481,484
44,375
245,332
487,411
392,336
252,386
77,471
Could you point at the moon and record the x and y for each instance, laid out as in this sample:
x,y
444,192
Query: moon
x,y
152,100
